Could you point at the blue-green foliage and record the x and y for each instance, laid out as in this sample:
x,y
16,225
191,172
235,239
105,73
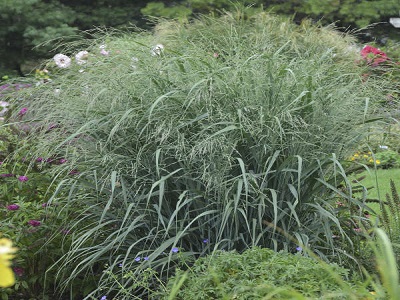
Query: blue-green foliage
x,y
226,134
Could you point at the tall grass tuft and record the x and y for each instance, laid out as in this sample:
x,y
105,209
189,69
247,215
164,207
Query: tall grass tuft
x,y
221,140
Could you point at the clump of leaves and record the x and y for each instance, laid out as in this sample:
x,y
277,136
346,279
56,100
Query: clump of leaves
x,y
258,273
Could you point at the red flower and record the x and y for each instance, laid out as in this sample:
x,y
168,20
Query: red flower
x,y
373,55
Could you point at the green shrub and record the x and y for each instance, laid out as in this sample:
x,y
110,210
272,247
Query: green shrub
x,y
226,135
388,159
35,225
261,273
383,159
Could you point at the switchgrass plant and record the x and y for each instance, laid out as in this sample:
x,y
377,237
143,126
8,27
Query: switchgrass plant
x,y
217,134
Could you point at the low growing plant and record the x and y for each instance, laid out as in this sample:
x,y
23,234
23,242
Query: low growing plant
x,y
263,274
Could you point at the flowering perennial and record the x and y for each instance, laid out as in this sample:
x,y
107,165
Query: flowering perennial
x,y
13,207
23,178
23,111
157,50
81,57
62,61
373,55
34,223
7,277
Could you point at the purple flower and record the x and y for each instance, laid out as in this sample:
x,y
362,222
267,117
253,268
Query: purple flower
x,y
146,258
1,163
120,265
19,271
52,126
74,172
175,250
39,159
103,298
34,223
298,248
137,259
5,86
62,161
23,111
13,207
65,231
23,178
45,204
7,175
205,241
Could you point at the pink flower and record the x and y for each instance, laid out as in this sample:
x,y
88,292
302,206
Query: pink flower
x,y
13,207
34,223
23,111
23,178
357,229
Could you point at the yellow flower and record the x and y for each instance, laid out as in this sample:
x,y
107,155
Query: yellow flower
x,y
7,277
378,161
371,160
356,155
365,155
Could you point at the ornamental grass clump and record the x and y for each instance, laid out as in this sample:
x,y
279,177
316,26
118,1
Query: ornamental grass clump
x,y
220,130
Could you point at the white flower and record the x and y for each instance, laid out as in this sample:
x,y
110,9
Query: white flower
x,y
104,52
57,92
81,57
4,105
62,61
103,46
81,71
157,50
134,61
383,147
